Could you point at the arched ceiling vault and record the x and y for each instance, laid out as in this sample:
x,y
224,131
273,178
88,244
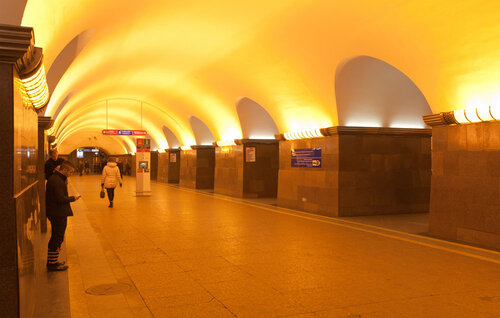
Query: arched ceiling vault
x,y
195,58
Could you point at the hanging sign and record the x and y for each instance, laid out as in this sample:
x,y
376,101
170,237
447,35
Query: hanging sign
x,y
306,158
124,132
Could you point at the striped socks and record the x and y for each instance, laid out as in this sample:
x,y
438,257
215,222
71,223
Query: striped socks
x,y
52,257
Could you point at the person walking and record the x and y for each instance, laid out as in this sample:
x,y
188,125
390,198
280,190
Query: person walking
x,y
52,163
57,203
111,177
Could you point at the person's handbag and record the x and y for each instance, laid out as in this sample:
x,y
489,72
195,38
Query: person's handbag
x,y
101,195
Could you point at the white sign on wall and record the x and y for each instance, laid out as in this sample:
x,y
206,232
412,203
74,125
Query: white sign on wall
x,y
173,157
250,154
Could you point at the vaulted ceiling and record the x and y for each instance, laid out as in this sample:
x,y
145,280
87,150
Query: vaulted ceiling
x,y
159,63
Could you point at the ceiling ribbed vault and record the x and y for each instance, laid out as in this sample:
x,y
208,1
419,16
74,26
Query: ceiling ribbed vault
x,y
187,59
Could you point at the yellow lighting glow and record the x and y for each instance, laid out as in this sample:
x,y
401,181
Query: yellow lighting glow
x,y
476,115
282,54
314,133
495,112
484,113
471,115
460,116
36,88
226,143
185,147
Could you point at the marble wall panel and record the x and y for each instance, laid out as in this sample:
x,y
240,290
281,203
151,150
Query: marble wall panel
x,y
236,176
465,186
229,164
260,178
169,164
361,174
188,168
205,168
19,204
310,189
384,174
162,167
154,165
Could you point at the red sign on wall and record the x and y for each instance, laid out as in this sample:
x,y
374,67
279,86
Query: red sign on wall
x,y
140,132
143,145
109,132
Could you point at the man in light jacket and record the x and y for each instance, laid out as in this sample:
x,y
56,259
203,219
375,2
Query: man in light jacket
x,y
110,179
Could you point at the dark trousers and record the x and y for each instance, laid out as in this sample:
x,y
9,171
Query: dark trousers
x,y
111,194
58,224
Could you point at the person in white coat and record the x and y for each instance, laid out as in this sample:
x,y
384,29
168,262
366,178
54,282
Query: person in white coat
x,y
110,179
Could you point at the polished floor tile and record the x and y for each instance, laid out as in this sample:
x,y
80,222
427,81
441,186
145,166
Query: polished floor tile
x,y
186,253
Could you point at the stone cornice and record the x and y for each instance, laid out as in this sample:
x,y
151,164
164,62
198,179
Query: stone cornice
x,y
255,141
45,122
347,130
17,45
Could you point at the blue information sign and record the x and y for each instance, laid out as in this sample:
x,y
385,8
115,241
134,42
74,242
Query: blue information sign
x,y
125,132
306,158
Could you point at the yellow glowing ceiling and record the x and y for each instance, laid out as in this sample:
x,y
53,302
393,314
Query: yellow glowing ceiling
x,y
197,58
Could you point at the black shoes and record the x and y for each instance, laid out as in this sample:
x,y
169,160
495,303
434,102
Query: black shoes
x,y
110,205
57,267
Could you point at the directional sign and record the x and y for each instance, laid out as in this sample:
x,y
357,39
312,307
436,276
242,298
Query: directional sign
x,y
306,158
124,132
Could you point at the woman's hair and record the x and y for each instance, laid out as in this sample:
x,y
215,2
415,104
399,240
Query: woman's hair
x,y
111,160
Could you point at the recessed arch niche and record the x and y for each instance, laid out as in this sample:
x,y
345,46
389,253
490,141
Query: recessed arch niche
x,y
202,133
172,140
63,103
255,121
66,57
373,93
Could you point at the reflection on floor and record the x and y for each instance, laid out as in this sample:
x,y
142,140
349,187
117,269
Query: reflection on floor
x,y
189,254
53,298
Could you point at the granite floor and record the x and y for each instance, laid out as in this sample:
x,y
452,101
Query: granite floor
x,y
183,253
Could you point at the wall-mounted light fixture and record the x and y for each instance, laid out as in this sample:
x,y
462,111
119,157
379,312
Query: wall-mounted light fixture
x,y
350,130
17,46
313,133
36,88
304,134
464,116
224,143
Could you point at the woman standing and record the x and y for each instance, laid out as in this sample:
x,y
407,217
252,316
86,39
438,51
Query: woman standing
x,y
110,179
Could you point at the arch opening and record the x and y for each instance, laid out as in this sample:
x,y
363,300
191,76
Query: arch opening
x,y
202,133
66,57
255,121
373,93
172,140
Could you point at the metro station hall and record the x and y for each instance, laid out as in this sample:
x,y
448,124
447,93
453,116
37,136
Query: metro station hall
x,y
285,158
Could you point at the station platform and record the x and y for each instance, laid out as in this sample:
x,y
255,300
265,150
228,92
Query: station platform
x,y
188,253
